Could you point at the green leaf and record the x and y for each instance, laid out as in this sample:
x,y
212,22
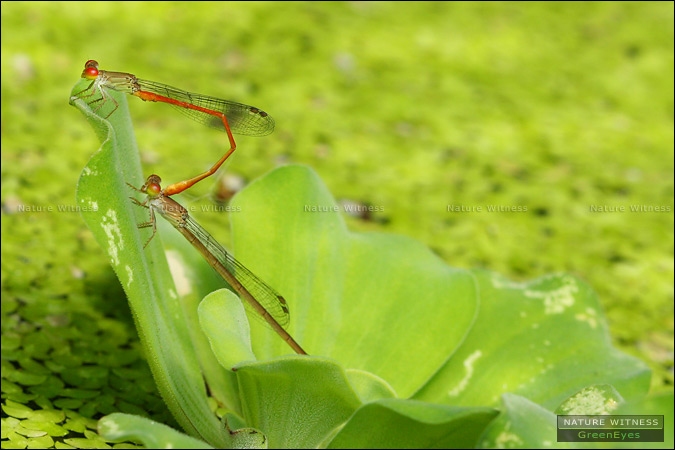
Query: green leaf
x,y
396,423
296,401
521,424
17,410
224,322
375,302
160,317
545,339
369,387
119,426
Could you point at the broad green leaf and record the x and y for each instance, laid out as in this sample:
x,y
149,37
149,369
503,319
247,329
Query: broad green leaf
x,y
119,426
296,401
522,424
376,302
224,321
545,339
369,387
144,274
396,423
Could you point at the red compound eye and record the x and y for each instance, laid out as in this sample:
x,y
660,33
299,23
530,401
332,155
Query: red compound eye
x,y
153,189
90,71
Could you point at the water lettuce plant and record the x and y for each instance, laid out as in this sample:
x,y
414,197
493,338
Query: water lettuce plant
x,y
405,351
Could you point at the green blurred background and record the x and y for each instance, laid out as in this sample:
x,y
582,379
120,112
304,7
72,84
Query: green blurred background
x,y
411,107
